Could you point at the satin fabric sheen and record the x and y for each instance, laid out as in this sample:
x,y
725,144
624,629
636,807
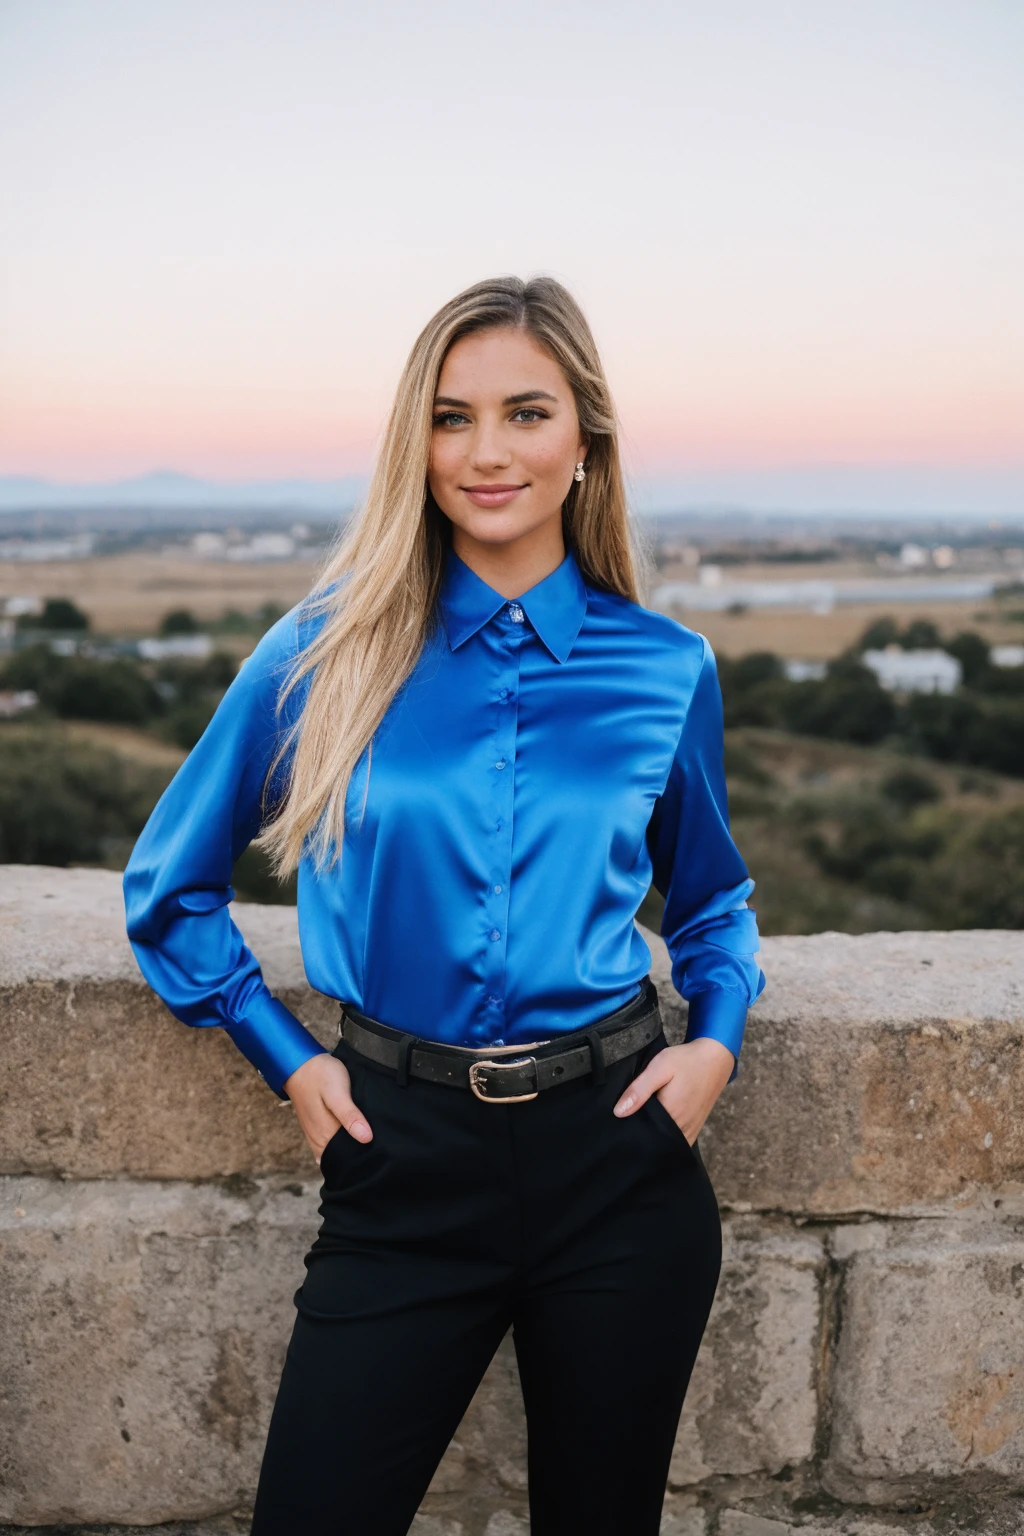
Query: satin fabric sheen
x,y
543,762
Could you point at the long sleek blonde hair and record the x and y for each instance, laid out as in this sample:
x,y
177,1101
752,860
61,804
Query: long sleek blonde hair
x,y
379,588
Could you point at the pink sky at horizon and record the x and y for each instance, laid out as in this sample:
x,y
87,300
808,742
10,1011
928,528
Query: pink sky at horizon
x,y
797,230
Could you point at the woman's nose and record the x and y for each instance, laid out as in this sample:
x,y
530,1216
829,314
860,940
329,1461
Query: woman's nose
x,y
488,450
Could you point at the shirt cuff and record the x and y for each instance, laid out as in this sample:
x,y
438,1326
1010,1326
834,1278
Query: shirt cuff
x,y
718,1015
274,1041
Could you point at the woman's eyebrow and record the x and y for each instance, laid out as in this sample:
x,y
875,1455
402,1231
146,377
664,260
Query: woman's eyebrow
x,y
523,399
530,394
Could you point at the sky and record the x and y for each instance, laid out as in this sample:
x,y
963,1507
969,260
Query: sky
x,y
797,229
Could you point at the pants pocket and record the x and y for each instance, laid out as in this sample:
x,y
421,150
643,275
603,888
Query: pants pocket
x,y
662,1118
329,1153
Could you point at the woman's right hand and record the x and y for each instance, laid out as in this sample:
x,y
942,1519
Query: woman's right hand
x,y
321,1092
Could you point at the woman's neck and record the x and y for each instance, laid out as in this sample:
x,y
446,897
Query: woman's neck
x,y
513,568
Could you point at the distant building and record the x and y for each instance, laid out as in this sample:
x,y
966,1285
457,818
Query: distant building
x,y
191,647
78,547
914,671
1007,655
13,703
913,556
264,546
804,671
19,607
209,546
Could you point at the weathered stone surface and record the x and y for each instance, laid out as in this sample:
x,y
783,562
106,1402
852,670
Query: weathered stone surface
x,y
880,1072
928,1381
144,1322
734,1522
478,1518
678,1520
144,1327
752,1401
96,1077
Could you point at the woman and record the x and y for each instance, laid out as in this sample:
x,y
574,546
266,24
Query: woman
x,y
476,748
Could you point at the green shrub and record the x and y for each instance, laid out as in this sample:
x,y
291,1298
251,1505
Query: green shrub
x,y
979,881
59,613
113,691
907,788
847,705
64,802
180,621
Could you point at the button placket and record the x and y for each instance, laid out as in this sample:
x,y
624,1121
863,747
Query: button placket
x,y
502,770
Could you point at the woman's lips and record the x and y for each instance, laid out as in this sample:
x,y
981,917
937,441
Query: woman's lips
x,y
492,495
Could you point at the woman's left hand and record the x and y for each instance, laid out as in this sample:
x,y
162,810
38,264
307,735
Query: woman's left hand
x,y
687,1079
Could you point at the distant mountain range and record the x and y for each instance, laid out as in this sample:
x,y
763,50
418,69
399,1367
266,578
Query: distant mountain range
x,y
168,491
897,491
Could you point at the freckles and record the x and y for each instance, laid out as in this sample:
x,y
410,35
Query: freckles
x,y
549,457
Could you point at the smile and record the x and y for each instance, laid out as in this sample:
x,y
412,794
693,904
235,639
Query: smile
x,y
492,495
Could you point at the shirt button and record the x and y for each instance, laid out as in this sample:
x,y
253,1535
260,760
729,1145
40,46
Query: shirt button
x,y
497,890
515,613
500,763
503,694
494,935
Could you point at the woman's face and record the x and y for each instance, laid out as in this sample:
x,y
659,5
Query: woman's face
x,y
506,437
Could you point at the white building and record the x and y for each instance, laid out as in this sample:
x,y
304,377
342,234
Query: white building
x,y
1007,655
804,671
264,546
192,647
914,671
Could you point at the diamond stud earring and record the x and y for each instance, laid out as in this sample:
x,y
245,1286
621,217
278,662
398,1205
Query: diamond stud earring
x,y
579,473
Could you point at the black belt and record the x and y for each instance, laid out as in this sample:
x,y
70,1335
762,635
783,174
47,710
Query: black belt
x,y
520,1076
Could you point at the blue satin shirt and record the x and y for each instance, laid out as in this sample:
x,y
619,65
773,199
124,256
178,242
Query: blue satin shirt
x,y
544,760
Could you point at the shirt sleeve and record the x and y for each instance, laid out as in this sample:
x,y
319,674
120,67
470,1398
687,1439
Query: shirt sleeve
x,y
177,885
710,932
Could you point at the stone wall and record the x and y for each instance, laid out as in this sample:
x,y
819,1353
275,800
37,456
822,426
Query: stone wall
x,y
863,1369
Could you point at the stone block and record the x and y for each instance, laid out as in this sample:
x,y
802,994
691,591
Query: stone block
x,y
144,1328
880,1072
928,1383
752,1402
97,1078
735,1522
678,1520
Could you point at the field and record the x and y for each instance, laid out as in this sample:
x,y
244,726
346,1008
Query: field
x,y
819,637
127,594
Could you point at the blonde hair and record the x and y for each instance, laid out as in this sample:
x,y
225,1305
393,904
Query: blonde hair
x,y
378,590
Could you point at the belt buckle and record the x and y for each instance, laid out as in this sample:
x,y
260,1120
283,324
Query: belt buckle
x,y
512,1098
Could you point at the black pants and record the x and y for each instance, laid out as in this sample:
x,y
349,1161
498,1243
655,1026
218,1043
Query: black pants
x,y
596,1239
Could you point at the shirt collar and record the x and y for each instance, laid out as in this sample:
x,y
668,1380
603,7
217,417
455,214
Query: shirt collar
x,y
555,606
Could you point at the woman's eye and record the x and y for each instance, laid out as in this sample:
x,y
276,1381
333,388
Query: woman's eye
x,y
450,419
529,413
